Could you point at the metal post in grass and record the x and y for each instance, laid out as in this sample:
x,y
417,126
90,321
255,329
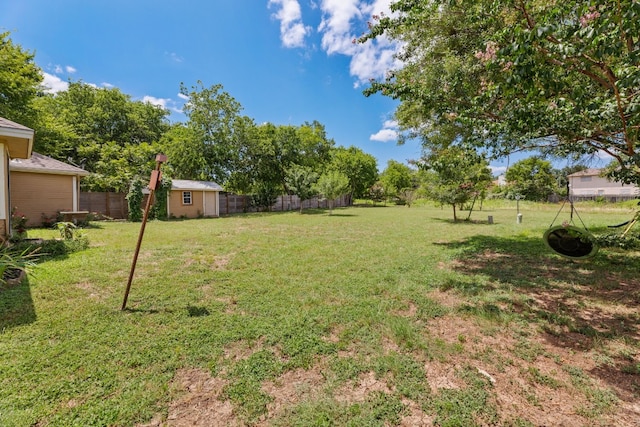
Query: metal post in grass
x,y
156,175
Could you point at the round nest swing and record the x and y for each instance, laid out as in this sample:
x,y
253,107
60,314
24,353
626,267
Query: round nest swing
x,y
570,241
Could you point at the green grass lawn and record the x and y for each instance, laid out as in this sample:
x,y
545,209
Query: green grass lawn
x,y
382,315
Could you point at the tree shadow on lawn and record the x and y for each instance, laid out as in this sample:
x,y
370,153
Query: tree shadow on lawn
x,y
462,221
323,211
16,306
581,305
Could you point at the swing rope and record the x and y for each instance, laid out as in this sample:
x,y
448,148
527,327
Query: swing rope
x,y
573,209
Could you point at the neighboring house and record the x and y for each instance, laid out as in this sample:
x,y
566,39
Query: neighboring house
x,y
42,188
588,184
16,142
193,199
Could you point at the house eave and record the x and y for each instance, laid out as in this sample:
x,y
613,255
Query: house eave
x,y
19,142
19,168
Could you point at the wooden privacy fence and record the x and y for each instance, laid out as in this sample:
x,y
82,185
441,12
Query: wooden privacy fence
x,y
234,203
114,205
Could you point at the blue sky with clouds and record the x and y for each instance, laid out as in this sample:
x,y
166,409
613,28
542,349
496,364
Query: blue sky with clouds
x,y
285,61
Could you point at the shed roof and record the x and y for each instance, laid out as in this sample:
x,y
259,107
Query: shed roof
x,y
19,138
40,163
188,185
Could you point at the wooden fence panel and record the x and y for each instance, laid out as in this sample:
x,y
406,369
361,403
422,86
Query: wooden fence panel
x,y
113,205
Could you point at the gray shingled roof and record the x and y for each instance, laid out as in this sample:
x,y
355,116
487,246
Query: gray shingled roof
x,y
8,124
184,184
43,164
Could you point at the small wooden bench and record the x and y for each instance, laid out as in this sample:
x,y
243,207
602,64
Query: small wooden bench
x,y
74,216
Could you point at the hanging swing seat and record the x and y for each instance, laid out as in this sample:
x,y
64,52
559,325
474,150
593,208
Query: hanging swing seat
x,y
570,241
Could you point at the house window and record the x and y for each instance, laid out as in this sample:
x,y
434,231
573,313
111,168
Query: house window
x,y
186,198
585,178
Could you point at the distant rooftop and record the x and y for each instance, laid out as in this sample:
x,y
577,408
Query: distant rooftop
x,y
588,172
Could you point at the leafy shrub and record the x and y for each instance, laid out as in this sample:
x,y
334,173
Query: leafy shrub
x,y
616,240
12,260
159,209
66,229
265,196
48,220
51,248
134,200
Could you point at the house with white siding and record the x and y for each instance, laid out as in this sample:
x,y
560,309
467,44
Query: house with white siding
x,y
589,184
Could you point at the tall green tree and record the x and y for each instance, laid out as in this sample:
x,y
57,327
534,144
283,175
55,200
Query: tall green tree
x,y
301,181
532,178
20,80
266,152
118,165
331,185
185,153
459,175
313,147
212,114
102,130
563,77
359,167
396,178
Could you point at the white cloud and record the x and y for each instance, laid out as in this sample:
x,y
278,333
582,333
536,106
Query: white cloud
x,y
166,103
343,22
174,57
70,69
53,84
389,132
183,96
292,29
57,69
161,102
107,85
385,135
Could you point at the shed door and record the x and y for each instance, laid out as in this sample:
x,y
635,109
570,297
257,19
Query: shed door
x,y
210,203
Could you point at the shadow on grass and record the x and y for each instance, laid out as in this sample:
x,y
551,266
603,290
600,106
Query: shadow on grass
x,y
370,205
579,305
197,311
463,221
16,306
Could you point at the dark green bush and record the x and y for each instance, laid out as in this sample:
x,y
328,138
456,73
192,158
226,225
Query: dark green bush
x,y
51,248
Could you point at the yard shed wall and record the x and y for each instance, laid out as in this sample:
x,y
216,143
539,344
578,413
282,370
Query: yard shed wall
x,y
178,209
35,194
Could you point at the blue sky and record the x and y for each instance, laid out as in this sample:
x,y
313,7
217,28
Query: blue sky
x,y
285,61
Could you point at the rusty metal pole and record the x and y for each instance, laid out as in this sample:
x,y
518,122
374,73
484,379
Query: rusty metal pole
x,y
153,183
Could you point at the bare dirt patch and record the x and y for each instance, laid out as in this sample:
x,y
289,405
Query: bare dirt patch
x,y
293,387
357,391
199,405
530,377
